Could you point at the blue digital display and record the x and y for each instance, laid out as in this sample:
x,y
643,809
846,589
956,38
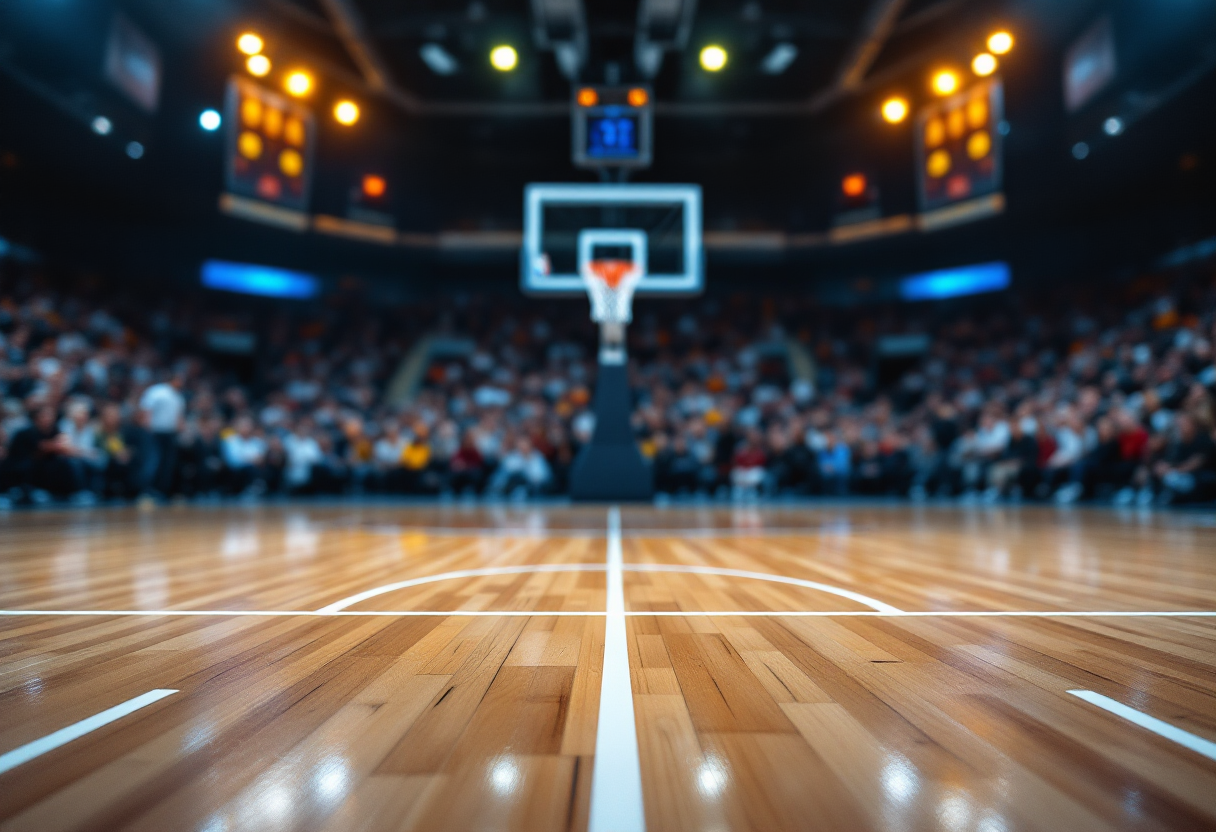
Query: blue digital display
x,y
953,283
266,281
612,136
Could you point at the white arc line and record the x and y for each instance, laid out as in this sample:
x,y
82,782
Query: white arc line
x,y
1162,729
616,781
76,730
766,576
460,573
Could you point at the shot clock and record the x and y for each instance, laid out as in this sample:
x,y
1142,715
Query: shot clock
x,y
612,127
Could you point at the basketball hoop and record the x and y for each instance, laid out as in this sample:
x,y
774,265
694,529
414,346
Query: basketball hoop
x,y
610,285
611,282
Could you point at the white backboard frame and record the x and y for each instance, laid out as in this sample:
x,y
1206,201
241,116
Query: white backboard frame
x,y
535,280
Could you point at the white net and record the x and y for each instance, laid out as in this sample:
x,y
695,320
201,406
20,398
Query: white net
x,y
610,285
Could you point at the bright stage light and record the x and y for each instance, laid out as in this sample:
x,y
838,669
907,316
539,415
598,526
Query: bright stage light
x,y
894,110
209,120
713,58
249,43
588,97
258,65
983,64
1000,42
374,186
853,185
102,126
298,83
346,112
637,97
1113,126
504,58
945,82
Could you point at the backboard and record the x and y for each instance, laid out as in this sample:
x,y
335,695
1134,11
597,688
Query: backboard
x,y
663,225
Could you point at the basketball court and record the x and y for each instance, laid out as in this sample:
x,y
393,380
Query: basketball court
x,y
882,667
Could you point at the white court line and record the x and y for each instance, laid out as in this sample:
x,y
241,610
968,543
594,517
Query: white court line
x,y
337,606
599,567
631,613
76,730
1162,729
616,781
766,576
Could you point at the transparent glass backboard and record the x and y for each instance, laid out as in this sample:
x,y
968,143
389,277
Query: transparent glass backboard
x,y
669,217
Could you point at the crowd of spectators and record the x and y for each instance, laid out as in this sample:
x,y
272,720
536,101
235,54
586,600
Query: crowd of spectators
x,y
1070,395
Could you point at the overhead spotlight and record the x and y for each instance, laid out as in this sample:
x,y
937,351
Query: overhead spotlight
x,y
1113,126
249,43
258,65
944,82
853,185
438,59
102,126
637,97
587,97
504,58
779,59
298,83
374,186
209,120
135,150
713,58
983,64
894,110
346,112
1000,42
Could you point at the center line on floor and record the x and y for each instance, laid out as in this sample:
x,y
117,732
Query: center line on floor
x,y
1162,729
77,730
616,782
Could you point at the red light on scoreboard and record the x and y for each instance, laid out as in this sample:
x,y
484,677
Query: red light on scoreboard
x,y
374,186
853,185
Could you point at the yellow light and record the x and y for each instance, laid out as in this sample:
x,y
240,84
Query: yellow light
x,y
504,58
938,163
978,144
291,163
983,64
638,97
346,112
588,97
293,132
249,144
1000,42
894,110
713,58
298,83
945,82
249,43
251,112
258,65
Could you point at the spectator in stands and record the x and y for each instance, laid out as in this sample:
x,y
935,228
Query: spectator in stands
x,y
523,471
244,456
42,458
164,405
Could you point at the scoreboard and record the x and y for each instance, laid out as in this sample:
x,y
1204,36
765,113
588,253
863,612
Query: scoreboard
x,y
958,146
611,127
270,145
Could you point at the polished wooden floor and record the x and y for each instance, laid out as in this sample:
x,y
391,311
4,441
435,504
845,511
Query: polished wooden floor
x,y
792,668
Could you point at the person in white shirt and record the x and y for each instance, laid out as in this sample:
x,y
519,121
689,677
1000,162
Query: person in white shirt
x,y
303,452
163,405
523,467
244,452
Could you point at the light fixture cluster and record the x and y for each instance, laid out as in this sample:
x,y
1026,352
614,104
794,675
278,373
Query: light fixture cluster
x,y
297,82
945,81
